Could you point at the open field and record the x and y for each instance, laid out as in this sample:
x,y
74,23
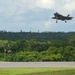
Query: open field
x,y
38,71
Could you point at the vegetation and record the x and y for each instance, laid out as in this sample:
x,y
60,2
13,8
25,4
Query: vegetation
x,y
42,36
38,71
43,47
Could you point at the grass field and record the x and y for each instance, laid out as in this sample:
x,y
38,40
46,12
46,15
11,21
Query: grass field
x,y
38,71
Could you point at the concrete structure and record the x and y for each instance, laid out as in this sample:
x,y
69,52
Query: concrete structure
x,y
35,64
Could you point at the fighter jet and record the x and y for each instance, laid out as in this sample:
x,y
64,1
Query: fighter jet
x,y
61,17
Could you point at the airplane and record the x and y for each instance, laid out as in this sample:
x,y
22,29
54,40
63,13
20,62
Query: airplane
x,y
61,17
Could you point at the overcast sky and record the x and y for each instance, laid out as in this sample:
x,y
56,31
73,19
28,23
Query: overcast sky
x,y
34,15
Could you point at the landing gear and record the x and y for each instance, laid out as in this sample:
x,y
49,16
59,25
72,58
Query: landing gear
x,y
65,21
56,21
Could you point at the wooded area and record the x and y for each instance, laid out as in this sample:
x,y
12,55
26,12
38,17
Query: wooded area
x,y
44,46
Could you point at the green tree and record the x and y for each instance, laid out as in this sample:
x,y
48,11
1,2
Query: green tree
x,y
52,50
68,53
71,41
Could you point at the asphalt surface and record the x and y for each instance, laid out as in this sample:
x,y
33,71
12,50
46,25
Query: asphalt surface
x,y
35,64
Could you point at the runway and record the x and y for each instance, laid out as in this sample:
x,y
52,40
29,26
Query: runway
x,y
36,64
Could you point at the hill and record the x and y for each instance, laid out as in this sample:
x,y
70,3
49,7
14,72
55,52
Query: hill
x,y
43,36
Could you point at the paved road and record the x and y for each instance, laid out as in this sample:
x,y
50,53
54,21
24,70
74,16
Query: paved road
x,y
35,64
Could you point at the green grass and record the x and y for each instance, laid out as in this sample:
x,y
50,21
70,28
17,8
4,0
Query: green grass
x,y
38,71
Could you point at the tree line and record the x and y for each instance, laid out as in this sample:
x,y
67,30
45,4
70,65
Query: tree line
x,y
35,50
40,36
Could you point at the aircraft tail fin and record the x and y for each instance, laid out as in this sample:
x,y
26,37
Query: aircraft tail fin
x,y
68,15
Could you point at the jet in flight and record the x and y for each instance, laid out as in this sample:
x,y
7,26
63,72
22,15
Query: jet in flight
x,y
58,16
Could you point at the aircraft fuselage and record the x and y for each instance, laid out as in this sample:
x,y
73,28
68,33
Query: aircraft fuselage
x,y
61,17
